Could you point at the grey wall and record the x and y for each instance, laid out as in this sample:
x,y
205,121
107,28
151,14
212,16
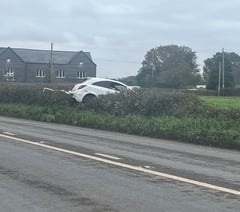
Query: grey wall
x,y
15,63
31,69
26,72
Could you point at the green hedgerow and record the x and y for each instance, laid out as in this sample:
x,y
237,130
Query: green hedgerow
x,y
157,113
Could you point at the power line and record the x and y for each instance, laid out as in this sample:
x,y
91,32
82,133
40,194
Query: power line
x,y
118,61
140,61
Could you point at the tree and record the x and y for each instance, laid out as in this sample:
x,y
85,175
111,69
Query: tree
x,y
169,66
211,69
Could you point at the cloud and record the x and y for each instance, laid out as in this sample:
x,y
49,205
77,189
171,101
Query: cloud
x,y
119,33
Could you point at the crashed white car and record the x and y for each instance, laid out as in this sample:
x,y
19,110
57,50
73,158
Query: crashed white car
x,y
93,87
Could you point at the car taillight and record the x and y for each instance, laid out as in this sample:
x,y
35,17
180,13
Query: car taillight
x,y
81,86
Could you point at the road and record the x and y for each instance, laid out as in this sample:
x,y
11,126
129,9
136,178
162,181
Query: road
x,y
49,167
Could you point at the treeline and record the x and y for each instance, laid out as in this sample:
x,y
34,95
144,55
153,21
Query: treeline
x,y
176,67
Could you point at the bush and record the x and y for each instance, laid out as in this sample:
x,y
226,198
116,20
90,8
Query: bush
x,y
230,92
203,92
32,95
156,102
148,102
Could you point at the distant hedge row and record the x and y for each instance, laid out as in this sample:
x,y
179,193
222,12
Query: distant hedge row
x,y
223,92
230,92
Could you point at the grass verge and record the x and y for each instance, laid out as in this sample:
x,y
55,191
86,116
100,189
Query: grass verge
x,y
199,130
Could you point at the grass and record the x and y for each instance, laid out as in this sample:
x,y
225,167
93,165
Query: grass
x,y
198,130
222,102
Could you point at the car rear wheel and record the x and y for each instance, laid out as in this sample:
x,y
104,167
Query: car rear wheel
x,y
88,97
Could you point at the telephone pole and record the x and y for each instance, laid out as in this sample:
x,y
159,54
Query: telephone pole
x,y
51,64
219,78
223,68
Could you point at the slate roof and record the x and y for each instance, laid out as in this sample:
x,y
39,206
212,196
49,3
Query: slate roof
x,y
43,56
2,49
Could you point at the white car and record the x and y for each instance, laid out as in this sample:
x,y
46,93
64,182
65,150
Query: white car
x,y
92,87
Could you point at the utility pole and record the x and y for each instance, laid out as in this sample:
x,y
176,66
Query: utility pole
x,y
51,64
219,78
223,69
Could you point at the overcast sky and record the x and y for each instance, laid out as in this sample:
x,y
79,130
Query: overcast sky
x,y
118,33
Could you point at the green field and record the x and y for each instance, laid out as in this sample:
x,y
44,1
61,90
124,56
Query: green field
x,y
222,102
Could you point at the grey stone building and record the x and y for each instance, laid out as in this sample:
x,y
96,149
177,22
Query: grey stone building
x,y
36,66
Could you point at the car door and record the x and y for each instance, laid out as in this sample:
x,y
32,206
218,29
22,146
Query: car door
x,y
103,87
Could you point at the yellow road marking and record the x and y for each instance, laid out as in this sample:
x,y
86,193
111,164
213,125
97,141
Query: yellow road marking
x,y
124,165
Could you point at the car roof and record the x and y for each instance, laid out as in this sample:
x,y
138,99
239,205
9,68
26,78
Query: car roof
x,y
97,79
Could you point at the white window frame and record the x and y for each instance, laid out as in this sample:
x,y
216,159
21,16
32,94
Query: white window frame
x,y
81,74
60,74
8,72
40,73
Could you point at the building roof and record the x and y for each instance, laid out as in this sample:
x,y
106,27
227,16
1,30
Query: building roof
x,y
43,56
2,49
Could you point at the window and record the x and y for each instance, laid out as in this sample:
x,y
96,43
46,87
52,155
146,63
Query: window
x,y
118,86
111,85
60,74
81,74
40,73
8,72
104,84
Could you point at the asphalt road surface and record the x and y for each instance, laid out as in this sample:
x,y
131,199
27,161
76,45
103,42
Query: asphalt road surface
x,y
48,167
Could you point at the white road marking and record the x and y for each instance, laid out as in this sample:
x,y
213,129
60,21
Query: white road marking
x,y
107,156
147,167
124,165
8,133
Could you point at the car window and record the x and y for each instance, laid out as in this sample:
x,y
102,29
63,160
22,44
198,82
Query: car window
x,y
111,85
104,84
117,86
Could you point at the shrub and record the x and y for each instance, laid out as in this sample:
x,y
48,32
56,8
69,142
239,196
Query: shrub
x,y
203,92
230,92
29,94
148,102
